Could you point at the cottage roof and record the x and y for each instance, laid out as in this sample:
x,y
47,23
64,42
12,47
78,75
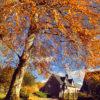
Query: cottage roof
x,y
70,81
58,78
61,79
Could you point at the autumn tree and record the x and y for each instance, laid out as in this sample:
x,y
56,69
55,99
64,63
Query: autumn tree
x,y
5,78
36,29
92,80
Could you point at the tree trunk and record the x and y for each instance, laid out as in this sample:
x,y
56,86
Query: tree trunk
x,y
15,86
16,82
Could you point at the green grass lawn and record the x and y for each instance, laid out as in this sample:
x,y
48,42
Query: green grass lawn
x,y
2,95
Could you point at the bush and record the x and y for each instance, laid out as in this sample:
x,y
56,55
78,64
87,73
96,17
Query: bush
x,y
2,96
41,94
24,94
5,78
29,79
84,95
2,89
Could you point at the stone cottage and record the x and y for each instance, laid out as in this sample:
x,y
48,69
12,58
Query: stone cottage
x,y
57,86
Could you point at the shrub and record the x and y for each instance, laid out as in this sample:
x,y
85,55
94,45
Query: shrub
x,y
2,96
5,78
41,94
2,89
29,79
23,93
84,95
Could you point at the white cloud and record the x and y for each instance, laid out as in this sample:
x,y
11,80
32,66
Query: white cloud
x,y
61,74
45,80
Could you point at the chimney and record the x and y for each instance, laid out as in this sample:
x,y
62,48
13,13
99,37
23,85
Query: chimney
x,y
66,76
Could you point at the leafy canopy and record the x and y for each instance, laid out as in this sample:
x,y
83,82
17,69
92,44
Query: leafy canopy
x,y
70,24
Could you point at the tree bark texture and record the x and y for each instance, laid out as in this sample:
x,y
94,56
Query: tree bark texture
x,y
17,78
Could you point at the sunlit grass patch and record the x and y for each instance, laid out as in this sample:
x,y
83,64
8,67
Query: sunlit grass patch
x,y
2,95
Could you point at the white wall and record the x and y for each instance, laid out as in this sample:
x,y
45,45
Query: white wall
x,y
71,90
